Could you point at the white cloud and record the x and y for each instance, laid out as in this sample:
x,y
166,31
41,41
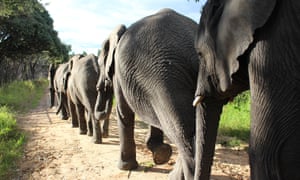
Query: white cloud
x,y
86,24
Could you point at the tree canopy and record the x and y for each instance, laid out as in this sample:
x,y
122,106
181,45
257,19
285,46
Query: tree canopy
x,y
26,28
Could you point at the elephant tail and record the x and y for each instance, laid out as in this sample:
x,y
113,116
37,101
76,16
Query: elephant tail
x,y
60,103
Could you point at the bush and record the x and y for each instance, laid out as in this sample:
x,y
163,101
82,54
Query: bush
x,y
11,140
235,120
18,96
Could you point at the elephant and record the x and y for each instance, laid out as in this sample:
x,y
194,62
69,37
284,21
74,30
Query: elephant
x,y
152,67
252,45
56,88
51,73
80,84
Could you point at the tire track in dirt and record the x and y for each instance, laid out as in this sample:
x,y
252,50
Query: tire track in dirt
x,y
56,151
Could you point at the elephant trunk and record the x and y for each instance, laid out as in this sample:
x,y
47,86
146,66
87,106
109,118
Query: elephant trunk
x,y
103,105
207,122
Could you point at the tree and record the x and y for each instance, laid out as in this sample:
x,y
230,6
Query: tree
x,y
26,31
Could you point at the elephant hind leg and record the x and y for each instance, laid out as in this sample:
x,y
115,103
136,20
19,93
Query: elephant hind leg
x,y
185,163
81,119
161,152
89,123
183,138
73,114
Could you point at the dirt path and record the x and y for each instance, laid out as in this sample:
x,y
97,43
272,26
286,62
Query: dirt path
x,y
57,151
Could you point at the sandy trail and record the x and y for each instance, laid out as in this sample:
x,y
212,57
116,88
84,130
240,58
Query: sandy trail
x,y
57,151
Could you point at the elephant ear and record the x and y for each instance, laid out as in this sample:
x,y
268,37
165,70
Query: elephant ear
x,y
66,77
73,60
236,27
113,42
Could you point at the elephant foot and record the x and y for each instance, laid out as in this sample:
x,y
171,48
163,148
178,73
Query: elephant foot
x,y
75,126
97,141
64,117
82,132
89,133
177,172
175,175
105,134
128,165
161,154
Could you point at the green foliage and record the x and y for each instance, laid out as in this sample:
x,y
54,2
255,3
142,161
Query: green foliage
x,y
15,97
16,7
235,121
147,165
11,140
26,28
19,94
7,122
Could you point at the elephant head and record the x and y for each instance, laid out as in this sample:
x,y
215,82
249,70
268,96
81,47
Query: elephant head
x,y
62,77
67,74
225,34
105,81
59,91
225,37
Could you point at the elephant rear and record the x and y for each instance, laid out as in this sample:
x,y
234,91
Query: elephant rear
x,y
156,68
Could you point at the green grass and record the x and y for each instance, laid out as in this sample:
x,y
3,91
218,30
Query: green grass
x,y
16,97
234,127
20,95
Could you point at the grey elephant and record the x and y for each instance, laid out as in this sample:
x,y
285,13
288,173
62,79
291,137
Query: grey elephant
x,y
153,69
57,90
253,44
80,83
51,73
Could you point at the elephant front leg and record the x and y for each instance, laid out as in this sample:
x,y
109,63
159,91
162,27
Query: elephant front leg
x,y
73,114
104,127
161,152
97,136
89,119
93,128
126,132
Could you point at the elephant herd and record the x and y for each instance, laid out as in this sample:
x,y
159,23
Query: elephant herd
x,y
176,75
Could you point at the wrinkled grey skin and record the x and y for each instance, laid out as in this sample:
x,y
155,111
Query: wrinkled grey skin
x,y
80,82
256,44
153,68
161,151
56,88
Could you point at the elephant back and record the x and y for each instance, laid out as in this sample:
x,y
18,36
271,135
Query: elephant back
x,y
159,46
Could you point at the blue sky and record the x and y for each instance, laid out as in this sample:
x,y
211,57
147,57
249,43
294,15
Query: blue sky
x,y
85,24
